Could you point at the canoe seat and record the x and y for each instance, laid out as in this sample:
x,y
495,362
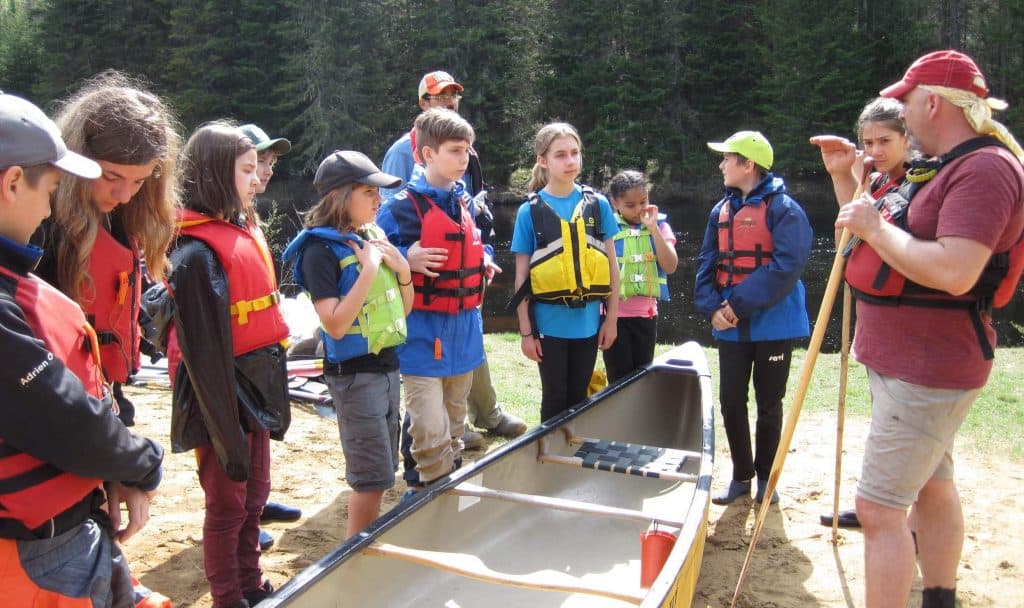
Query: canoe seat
x,y
632,458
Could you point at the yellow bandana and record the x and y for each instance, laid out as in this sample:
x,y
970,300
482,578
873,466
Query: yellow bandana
x,y
978,112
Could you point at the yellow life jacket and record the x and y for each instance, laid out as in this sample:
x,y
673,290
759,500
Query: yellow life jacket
x,y
570,264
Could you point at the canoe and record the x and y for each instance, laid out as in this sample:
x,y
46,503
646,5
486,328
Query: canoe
x,y
553,518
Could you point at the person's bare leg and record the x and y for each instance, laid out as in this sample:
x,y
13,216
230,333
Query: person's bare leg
x,y
888,554
363,508
939,523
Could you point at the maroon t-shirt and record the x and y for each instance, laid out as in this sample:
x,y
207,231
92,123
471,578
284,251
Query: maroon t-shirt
x,y
979,196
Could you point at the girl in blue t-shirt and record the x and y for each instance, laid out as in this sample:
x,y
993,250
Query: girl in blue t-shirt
x,y
560,285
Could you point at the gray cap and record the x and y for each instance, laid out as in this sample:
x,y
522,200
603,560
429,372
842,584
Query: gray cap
x,y
28,137
258,136
344,166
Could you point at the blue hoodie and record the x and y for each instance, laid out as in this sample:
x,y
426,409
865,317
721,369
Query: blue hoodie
x,y
460,336
770,302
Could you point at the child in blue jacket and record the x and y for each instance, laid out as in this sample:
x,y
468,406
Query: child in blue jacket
x,y
431,223
748,286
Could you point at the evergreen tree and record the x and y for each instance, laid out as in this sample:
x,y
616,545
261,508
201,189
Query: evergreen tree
x,y
334,75
224,60
80,38
19,52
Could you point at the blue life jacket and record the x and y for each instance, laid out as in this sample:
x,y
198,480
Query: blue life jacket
x,y
380,322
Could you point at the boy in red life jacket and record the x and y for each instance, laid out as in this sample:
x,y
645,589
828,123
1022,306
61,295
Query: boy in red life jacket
x,y
748,286
431,222
438,89
60,440
925,364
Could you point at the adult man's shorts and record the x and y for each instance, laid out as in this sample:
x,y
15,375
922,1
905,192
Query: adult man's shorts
x,y
911,438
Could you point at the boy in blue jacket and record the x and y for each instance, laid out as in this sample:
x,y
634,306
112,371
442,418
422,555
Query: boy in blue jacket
x,y
748,286
431,222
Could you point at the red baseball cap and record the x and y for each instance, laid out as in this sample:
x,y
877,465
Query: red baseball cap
x,y
943,68
433,83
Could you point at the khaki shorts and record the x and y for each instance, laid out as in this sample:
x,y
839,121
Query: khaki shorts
x,y
911,438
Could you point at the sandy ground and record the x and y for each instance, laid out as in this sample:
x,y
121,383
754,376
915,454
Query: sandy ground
x,y
796,563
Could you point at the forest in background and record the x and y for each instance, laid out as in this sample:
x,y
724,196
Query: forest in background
x,y
646,82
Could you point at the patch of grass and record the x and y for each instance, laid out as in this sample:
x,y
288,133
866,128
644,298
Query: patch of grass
x,y
993,424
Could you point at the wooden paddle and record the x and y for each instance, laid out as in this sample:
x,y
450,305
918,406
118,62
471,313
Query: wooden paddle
x,y
834,278
844,369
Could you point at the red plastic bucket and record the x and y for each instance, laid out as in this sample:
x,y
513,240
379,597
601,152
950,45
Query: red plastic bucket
x,y
655,545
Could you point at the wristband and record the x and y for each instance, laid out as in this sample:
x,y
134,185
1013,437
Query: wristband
x,y
406,284
526,335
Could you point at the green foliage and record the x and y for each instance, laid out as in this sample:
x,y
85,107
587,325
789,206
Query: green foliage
x,y
647,82
19,53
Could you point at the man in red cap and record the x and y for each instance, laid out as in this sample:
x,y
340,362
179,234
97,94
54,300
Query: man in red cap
x,y
924,328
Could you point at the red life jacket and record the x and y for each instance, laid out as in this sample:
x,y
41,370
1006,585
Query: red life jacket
x,y
112,305
33,491
873,280
744,242
256,319
459,285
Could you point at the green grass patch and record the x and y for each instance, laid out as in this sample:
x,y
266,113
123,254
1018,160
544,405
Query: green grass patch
x,y
992,426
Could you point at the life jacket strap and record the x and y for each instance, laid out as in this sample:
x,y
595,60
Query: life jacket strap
x,y
973,307
243,308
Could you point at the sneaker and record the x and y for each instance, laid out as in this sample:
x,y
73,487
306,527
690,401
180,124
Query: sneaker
x,y
266,540
509,427
847,519
471,440
762,485
736,489
410,494
274,511
257,595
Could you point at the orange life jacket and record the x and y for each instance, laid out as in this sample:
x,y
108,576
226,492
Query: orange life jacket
x,y
112,305
744,242
459,285
256,319
33,491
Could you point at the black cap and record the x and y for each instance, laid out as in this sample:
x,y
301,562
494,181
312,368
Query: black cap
x,y
344,166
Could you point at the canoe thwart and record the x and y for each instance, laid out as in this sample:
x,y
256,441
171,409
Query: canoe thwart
x,y
471,566
562,504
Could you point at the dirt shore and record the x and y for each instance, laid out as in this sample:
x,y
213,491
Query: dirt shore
x,y
795,565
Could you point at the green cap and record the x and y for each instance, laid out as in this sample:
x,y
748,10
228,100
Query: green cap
x,y
749,144
258,136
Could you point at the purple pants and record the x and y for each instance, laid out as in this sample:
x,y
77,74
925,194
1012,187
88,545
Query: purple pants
x,y
231,529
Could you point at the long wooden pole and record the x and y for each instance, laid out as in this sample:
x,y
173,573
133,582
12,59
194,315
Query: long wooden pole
x,y
844,371
834,279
